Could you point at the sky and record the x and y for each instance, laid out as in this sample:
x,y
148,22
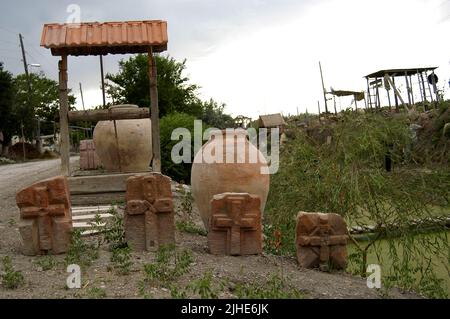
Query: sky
x,y
256,56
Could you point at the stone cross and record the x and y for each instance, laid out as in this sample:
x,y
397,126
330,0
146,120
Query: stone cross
x,y
321,239
45,217
149,215
235,224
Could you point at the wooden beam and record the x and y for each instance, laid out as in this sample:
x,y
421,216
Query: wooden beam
x,y
99,183
152,72
120,113
64,146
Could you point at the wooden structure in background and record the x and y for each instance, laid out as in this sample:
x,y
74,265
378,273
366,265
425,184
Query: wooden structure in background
x,y
426,80
272,121
101,39
357,96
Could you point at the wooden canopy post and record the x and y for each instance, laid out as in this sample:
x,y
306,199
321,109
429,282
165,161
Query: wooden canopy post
x,y
64,146
154,111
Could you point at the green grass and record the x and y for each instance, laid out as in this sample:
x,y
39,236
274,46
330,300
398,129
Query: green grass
x,y
11,278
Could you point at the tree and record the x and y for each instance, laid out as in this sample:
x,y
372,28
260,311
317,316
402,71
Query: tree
x,y
175,94
213,115
44,101
6,107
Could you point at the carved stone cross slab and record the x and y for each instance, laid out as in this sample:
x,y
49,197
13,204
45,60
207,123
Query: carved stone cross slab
x,y
149,215
235,224
321,239
45,217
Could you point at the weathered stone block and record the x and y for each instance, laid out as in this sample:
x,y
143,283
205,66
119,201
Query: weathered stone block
x,y
89,159
45,217
235,224
321,240
149,216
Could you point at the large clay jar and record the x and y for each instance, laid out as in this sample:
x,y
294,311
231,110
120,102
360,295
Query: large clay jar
x,y
241,174
131,151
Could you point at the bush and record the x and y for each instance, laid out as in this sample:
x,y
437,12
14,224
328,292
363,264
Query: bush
x,y
348,177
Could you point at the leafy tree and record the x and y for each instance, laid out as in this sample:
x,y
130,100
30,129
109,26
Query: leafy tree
x,y
44,100
179,172
6,106
213,115
175,94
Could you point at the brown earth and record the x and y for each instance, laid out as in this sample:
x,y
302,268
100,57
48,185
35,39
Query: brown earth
x,y
252,269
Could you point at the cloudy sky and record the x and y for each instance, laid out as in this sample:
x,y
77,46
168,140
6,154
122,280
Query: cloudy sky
x,y
257,56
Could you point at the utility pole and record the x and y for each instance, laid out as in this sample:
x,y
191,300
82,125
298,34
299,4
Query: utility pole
x,y
82,99
323,87
25,65
27,74
103,81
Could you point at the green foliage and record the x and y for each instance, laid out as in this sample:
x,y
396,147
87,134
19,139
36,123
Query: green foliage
x,y
114,232
169,265
11,278
182,171
80,252
121,259
7,117
190,228
175,94
96,293
186,223
213,114
205,288
276,287
46,262
43,101
348,177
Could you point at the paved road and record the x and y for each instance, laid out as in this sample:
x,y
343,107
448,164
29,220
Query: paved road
x,y
14,177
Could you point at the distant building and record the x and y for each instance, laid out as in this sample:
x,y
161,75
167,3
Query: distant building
x,y
272,121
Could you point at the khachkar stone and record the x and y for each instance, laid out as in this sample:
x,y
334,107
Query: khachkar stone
x,y
235,224
321,240
149,216
45,217
88,158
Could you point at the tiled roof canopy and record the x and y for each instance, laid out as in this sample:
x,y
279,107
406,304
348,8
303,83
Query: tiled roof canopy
x,y
94,38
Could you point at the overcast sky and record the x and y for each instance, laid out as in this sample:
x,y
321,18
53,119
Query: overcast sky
x,y
257,56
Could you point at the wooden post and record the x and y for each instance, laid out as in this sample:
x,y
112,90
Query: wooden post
x,y
412,90
63,120
407,88
103,81
154,111
377,98
423,87
395,94
429,87
368,93
324,90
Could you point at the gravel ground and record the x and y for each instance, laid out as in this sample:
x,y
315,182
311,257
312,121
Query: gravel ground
x,y
252,269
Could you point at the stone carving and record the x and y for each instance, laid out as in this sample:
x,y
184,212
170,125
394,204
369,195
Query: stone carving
x,y
321,240
88,158
235,224
149,215
45,217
